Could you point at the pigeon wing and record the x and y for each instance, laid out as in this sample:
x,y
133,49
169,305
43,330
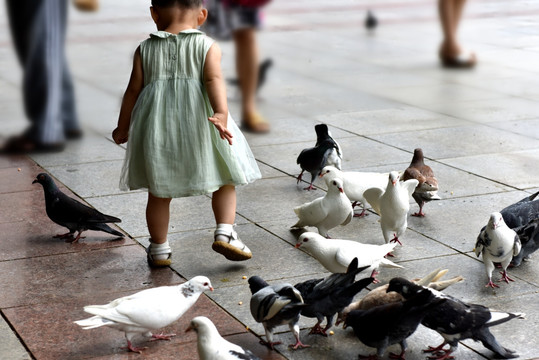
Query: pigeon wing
x,y
372,196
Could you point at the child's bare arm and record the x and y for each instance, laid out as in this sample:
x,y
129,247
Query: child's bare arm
x,y
215,86
136,83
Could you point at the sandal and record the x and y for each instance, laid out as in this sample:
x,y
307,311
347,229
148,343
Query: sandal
x,y
151,252
256,124
233,249
464,60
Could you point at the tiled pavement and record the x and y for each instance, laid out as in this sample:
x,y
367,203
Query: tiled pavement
x,y
383,94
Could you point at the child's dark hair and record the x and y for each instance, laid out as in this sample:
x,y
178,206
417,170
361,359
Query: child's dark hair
x,y
188,4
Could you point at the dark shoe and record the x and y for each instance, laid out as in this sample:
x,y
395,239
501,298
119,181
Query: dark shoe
x,y
23,145
465,60
74,134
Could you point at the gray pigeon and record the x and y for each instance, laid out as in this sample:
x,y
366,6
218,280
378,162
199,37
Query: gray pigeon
x,y
498,244
389,324
455,320
274,305
325,152
529,238
329,296
72,214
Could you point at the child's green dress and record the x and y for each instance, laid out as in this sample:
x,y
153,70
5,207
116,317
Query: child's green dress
x,y
173,149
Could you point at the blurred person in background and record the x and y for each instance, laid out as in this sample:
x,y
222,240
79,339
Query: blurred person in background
x,y
452,55
38,29
239,20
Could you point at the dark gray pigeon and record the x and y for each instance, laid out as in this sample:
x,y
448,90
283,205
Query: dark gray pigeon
x,y
517,216
325,152
389,324
370,20
274,305
72,214
329,296
455,320
529,238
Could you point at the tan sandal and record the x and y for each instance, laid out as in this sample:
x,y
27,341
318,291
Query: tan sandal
x,y
86,5
155,263
256,124
234,249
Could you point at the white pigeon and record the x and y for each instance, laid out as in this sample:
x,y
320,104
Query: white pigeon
x,y
146,310
392,204
212,346
336,254
326,212
498,244
355,183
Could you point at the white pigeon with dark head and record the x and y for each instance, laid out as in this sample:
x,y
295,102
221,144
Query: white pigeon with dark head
x,y
326,212
212,346
147,310
325,152
498,244
274,305
456,320
355,183
337,254
392,204
427,189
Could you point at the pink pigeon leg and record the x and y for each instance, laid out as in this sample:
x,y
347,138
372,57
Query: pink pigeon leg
x,y
270,344
132,348
505,277
161,336
397,356
491,284
76,238
437,348
317,329
298,344
63,236
395,239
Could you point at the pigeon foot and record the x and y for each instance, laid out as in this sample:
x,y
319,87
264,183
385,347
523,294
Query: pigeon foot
x,y
396,239
436,349
419,214
361,214
310,187
270,344
162,336
491,284
505,277
298,345
64,236
132,348
317,329
397,356
368,357
443,355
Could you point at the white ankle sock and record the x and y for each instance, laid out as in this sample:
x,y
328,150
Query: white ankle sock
x,y
160,251
227,229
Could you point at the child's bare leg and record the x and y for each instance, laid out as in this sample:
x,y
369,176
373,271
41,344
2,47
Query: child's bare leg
x,y
157,218
226,241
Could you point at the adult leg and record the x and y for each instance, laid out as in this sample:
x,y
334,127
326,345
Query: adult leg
x,y
450,12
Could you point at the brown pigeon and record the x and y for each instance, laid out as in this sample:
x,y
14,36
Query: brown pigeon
x,y
427,189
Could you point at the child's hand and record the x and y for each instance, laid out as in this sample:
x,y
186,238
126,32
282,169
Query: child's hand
x,y
119,136
219,120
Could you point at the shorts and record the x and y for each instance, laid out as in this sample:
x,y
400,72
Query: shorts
x,y
223,19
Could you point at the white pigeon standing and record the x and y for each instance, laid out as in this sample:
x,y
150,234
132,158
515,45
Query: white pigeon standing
x,y
212,346
355,183
146,310
392,204
326,212
498,244
336,254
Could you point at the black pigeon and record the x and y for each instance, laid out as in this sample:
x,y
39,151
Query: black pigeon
x,y
455,320
263,68
389,324
315,158
274,305
72,214
329,296
529,238
370,21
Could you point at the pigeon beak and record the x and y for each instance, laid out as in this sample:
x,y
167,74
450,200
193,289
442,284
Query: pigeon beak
x,y
394,183
33,182
297,245
211,288
341,190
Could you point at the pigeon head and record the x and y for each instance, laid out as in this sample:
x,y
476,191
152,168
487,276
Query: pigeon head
x,y
495,220
45,180
393,178
321,130
307,239
335,183
200,284
418,157
329,172
402,286
201,324
256,283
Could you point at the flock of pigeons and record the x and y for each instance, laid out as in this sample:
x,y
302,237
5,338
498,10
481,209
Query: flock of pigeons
x,y
387,315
